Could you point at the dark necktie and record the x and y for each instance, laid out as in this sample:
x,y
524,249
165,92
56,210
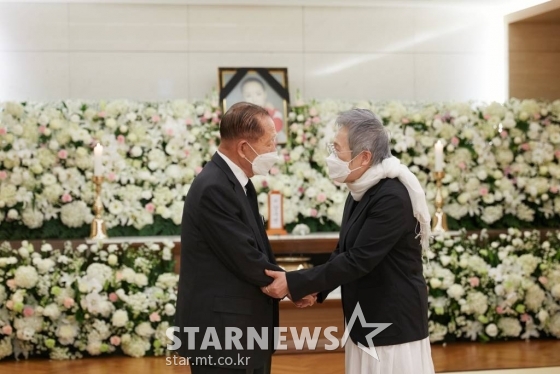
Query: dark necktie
x,y
252,197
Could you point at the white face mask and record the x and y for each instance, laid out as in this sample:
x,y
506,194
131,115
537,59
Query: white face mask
x,y
338,169
263,163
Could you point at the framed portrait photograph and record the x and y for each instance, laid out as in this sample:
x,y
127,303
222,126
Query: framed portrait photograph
x,y
267,87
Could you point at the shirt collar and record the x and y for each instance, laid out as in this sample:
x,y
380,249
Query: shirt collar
x,y
237,171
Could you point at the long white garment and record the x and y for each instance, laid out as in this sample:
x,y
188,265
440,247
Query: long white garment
x,y
408,358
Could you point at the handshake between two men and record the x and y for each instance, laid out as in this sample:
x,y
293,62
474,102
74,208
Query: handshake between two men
x,y
279,290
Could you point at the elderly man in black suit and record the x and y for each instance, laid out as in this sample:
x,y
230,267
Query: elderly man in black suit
x,y
378,259
225,251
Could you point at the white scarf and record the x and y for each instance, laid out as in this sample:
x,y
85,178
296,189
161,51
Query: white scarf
x,y
392,168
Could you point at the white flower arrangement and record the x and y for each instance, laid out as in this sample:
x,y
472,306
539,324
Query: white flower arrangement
x,y
84,305
502,162
486,290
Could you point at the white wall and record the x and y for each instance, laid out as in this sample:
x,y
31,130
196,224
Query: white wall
x,y
92,51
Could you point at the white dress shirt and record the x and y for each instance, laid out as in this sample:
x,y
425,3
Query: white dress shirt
x,y
237,171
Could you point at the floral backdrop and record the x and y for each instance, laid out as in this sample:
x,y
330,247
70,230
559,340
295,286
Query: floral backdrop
x,y
89,301
502,163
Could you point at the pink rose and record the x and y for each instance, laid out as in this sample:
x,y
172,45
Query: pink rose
x,y
113,297
557,154
554,189
307,123
120,139
484,191
316,119
525,146
486,117
313,112
63,154
313,212
499,310
11,283
7,330
3,131
101,114
154,317
66,198
111,177
525,317
537,116
150,207
28,311
462,165
10,304
187,152
68,302
215,119
274,171
301,190
455,141
286,158
118,276
198,169
188,122
543,280
405,120
169,132
3,175
42,129
207,114
321,197
155,118
504,134
474,281
115,340
264,184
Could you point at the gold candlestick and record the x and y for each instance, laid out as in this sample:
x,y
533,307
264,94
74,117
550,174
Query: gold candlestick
x,y
439,222
98,230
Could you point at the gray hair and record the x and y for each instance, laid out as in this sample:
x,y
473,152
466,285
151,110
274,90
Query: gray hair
x,y
366,133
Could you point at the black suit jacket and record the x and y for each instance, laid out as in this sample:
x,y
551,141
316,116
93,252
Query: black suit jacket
x,y
378,262
223,259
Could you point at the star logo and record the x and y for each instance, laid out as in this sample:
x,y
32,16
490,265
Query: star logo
x,y
379,327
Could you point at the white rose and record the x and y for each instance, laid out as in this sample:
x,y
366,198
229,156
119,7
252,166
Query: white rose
x,y
491,330
112,260
456,291
435,283
169,309
144,329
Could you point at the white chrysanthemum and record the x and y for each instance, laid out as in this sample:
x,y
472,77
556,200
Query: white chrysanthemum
x,y
67,332
74,214
26,277
145,330
101,272
8,194
509,327
437,332
139,302
455,291
120,318
6,347
528,263
476,303
134,345
534,298
167,280
161,334
52,311
141,280
97,304
492,214
43,265
32,218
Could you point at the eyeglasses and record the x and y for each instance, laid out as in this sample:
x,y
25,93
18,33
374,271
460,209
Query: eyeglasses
x,y
332,150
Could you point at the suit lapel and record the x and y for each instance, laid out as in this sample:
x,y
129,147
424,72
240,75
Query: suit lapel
x,y
240,193
356,213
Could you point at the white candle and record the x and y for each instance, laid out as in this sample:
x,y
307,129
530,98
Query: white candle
x,y
439,156
97,161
